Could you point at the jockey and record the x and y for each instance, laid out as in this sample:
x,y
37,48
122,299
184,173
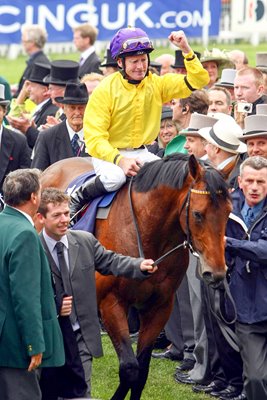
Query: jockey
x,y
123,112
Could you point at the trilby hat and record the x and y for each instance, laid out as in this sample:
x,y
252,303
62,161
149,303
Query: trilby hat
x,y
227,78
254,126
197,122
75,93
261,61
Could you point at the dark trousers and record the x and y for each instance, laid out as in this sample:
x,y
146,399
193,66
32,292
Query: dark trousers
x,y
19,384
253,340
226,363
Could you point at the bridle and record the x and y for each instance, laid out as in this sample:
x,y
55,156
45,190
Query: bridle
x,y
187,244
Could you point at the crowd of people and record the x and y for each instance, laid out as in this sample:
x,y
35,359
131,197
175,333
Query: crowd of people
x,y
123,112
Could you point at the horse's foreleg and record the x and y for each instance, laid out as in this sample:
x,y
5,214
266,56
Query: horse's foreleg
x,y
151,324
114,316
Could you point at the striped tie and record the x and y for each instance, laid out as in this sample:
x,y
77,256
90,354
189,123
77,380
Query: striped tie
x,y
75,144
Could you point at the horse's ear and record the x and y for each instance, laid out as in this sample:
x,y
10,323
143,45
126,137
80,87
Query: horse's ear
x,y
194,167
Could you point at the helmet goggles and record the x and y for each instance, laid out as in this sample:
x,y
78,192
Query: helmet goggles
x,y
140,43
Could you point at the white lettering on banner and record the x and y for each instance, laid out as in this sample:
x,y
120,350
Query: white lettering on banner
x,y
135,14
58,20
125,14
183,19
120,17
12,27
87,13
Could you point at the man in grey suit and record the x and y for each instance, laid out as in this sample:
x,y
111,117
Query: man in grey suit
x,y
84,255
64,140
84,37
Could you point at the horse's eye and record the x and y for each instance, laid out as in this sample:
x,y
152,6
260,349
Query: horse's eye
x,y
198,216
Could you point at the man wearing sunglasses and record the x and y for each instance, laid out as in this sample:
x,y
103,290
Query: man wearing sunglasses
x,y
123,113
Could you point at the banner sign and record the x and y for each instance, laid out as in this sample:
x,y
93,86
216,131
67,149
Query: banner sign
x,y
157,18
249,16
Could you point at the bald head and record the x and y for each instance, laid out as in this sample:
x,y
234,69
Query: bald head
x,y
239,58
166,60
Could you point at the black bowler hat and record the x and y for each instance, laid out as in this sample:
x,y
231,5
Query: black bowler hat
x,y
108,60
179,59
39,72
75,93
63,71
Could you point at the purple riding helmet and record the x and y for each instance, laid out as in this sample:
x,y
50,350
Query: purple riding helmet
x,y
130,41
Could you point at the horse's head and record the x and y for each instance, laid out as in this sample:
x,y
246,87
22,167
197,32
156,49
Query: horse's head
x,y
206,211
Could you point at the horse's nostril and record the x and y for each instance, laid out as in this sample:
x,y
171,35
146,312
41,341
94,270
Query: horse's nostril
x,y
208,277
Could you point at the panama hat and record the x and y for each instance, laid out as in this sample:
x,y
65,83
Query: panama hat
x,y
197,122
255,126
227,78
3,101
225,134
75,93
261,61
63,71
39,72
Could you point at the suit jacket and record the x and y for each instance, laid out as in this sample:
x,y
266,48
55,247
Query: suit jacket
x,y
39,57
91,64
28,318
40,119
52,145
14,153
87,255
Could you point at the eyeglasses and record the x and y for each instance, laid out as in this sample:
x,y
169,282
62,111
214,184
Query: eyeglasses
x,y
132,44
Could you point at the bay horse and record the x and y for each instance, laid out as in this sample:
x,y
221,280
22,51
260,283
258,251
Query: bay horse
x,y
175,201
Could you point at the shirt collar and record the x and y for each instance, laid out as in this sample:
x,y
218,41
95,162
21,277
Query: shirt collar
x,y
72,132
52,242
256,209
85,54
225,162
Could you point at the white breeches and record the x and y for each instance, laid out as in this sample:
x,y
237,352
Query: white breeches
x,y
113,176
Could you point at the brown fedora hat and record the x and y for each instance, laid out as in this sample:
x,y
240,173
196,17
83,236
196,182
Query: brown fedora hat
x,y
255,126
75,93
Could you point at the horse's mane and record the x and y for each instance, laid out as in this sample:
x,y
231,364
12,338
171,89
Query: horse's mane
x,y
173,170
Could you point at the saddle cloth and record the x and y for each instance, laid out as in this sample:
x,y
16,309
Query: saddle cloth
x,y
87,221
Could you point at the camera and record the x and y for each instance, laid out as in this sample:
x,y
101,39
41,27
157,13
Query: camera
x,y
244,107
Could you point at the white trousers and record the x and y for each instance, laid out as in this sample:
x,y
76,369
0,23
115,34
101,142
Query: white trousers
x,y
113,176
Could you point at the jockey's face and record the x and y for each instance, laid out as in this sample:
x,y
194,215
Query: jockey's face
x,y
56,220
135,66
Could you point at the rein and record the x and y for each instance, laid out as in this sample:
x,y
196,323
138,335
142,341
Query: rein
x,y
186,244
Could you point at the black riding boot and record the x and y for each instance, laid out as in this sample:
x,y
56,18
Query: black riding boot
x,y
83,195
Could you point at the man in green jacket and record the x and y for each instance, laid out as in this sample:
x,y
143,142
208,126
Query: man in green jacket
x,y
30,336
